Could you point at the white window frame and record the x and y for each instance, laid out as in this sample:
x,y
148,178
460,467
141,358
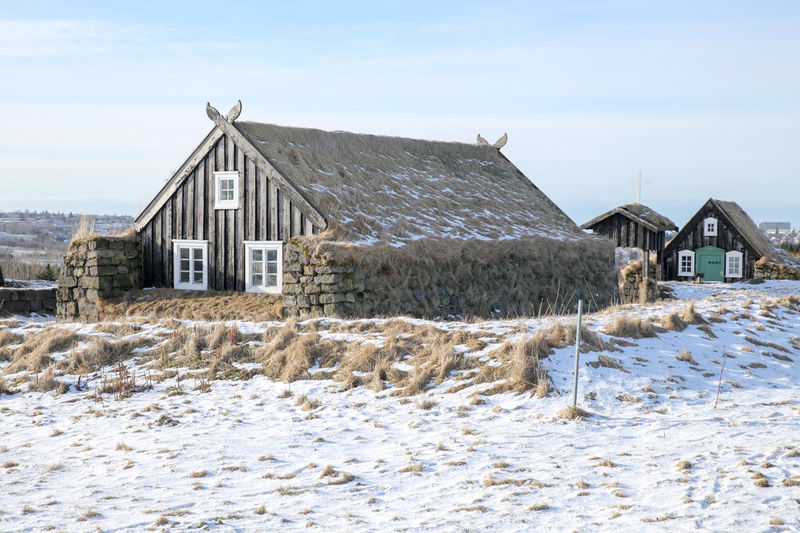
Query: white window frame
x,y
177,244
730,273
249,246
710,227
219,177
681,255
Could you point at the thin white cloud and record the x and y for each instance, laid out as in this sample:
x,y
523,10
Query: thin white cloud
x,y
39,38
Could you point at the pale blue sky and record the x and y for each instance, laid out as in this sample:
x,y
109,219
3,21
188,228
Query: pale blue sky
x,y
101,101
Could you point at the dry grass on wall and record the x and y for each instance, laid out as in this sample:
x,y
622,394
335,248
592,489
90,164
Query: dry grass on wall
x,y
196,305
524,277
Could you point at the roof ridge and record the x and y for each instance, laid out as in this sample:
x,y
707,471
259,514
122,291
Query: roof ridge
x,y
357,134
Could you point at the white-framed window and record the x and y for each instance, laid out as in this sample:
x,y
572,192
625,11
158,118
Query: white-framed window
x,y
226,188
686,263
710,227
733,264
264,266
190,260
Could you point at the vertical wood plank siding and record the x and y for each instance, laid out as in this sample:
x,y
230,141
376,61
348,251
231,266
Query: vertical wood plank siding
x,y
264,213
728,238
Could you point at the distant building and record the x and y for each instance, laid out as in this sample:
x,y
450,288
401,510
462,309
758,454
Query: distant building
x,y
775,227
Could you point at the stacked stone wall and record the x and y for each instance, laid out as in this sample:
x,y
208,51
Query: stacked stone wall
x,y
634,289
27,300
315,285
769,270
95,269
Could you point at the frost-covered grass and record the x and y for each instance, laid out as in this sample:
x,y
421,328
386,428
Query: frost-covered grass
x,y
155,438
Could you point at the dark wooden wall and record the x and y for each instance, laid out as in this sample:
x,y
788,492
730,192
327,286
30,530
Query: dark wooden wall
x,y
264,214
629,234
728,238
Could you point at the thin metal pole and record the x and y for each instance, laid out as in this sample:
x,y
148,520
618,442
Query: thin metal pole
x,y
577,354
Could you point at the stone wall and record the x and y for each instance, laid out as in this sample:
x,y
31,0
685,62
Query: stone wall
x,y
97,268
315,285
27,300
448,278
634,289
766,269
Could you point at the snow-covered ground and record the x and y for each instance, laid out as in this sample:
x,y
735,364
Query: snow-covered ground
x,y
657,454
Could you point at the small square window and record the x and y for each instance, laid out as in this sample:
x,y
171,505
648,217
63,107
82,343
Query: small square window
x,y
733,264
264,266
226,189
190,268
686,263
710,227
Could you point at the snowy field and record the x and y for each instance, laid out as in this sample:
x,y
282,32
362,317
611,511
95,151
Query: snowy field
x,y
257,454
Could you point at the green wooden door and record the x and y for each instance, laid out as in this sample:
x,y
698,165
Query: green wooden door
x,y
710,260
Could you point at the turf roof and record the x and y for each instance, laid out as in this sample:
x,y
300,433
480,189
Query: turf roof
x,y
397,190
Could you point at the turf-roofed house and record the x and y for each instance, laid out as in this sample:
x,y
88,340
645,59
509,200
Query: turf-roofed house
x,y
351,224
722,243
634,226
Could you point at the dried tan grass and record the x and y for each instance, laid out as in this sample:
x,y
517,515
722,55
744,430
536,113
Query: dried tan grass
x,y
196,305
5,389
686,356
608,362
757,342
672,321
101,353
633,328
8,337
690,316
289,355
34,354
572,413
519,366
46,382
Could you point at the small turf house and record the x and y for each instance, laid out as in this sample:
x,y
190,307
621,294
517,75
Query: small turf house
x,y
633,226
355,224
722,243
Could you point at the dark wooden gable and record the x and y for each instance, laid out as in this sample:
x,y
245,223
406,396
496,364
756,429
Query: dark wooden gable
x,y
627,232
270,209
692,237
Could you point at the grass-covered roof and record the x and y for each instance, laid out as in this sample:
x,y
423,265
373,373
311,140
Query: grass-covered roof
x,y
396,190
640,213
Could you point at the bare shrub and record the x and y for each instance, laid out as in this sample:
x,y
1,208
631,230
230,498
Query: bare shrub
x,y
634,328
